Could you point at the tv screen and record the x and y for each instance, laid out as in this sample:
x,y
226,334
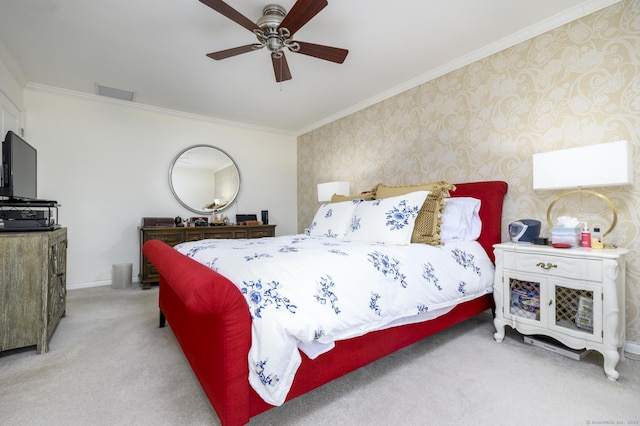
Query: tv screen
x,y
19,168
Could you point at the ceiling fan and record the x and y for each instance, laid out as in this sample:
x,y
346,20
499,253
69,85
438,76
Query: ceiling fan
x,y
275,30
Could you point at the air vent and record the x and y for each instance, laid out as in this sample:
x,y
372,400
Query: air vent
x,y
112,92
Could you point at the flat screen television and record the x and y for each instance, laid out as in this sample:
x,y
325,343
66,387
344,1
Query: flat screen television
x,y
19,168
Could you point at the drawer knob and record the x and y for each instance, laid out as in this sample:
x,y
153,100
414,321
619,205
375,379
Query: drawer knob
x,y
546,266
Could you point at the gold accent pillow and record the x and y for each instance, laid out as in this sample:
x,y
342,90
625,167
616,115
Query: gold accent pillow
x,y
367,196
427,226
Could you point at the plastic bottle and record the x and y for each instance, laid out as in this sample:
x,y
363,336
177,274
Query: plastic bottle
x,y
596,238
586,236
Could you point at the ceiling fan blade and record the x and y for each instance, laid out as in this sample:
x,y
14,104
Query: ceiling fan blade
x,y
328,53
301,13
226,10
227,53
280,67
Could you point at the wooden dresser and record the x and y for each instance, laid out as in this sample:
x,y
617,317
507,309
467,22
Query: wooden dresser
x,y
33,287
177,235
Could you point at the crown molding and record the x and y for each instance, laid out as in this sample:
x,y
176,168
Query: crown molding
x,y
144,107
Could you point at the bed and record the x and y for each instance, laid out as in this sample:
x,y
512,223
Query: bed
x,y
216,325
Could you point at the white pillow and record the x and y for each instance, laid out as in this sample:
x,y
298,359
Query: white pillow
x,y
387,220
460,219
332,220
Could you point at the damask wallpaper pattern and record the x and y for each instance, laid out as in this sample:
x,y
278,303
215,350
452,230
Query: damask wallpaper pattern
x,y
576,85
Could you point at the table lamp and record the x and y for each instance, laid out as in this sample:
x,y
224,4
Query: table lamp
x,y
605,164
327,189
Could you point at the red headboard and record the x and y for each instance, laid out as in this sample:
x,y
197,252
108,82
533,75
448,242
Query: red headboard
x,y
491,195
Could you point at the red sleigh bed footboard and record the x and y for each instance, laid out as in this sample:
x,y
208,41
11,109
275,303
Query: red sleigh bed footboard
x,y
211,321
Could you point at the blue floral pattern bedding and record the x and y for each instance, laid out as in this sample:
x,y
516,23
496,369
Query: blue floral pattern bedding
x,y
303,290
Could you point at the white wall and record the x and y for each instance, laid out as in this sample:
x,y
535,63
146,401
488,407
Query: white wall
x,y
107,164
10,116
10,86
11,101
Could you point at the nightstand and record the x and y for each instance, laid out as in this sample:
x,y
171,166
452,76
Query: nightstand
x,y
576,296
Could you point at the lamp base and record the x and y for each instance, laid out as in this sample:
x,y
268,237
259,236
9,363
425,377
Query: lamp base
x,y
590,192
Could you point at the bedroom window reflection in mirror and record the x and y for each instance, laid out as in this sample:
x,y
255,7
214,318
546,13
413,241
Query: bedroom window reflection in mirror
x,y
204,179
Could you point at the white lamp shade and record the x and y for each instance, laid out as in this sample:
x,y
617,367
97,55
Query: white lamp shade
x,y
594,165
327,189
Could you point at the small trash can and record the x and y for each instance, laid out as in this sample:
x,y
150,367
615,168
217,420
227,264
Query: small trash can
x,y
121,275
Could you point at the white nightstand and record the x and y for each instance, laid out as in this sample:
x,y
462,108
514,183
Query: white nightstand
x,y
576,296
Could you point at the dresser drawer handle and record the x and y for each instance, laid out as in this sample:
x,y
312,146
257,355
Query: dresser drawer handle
x,y
546,266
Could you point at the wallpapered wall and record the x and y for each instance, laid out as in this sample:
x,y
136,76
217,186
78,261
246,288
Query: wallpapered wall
x,y
576,85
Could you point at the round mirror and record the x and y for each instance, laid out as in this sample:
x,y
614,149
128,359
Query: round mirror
x,y
204,179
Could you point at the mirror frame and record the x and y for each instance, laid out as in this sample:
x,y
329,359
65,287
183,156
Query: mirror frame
x,y
194,209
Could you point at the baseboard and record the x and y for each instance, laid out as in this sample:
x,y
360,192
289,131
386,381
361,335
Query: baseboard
x,y
632,348
87,285
95,284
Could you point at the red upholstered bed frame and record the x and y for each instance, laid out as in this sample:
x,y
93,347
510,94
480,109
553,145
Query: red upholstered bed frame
x,y
212,324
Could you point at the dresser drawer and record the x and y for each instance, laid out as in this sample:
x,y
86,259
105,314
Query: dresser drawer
x,y
260,233
171,238
218,234
560,266
151,271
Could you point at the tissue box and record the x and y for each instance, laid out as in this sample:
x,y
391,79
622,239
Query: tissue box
x,y
566,235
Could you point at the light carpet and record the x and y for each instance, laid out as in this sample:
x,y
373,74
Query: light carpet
x,y
110,364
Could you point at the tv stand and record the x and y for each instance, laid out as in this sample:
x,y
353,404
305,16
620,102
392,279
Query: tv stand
x,y
33,288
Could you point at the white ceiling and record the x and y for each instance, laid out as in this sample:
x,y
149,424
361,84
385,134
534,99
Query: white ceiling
x,y
157,48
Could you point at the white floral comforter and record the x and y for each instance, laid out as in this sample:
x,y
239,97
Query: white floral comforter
x,y
303,289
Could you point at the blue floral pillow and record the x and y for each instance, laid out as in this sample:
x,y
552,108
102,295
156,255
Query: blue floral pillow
x,y
332,220
387,220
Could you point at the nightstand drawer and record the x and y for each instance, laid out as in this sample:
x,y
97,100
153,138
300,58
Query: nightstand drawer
x,y
584,269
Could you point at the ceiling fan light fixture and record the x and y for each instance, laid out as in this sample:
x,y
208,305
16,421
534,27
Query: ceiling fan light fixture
x,y
269,35
272,16
274,44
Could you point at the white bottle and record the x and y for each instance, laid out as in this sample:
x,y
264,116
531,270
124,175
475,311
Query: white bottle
x,y
596,238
